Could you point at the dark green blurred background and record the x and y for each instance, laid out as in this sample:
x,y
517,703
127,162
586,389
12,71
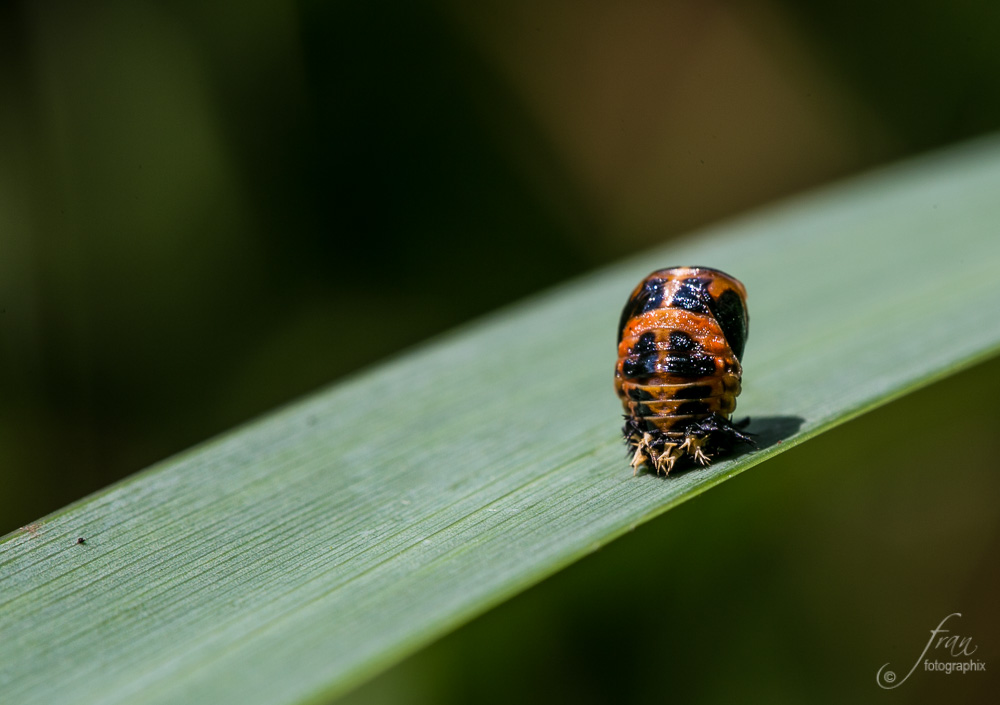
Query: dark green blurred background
x,y
204,207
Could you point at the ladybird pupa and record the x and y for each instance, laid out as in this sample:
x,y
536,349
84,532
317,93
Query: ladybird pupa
x,y
680,343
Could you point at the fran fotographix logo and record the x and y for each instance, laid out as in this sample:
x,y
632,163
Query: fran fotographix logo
x,y
951,654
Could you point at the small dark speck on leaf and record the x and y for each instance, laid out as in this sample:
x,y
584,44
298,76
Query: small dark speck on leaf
x,y
81,540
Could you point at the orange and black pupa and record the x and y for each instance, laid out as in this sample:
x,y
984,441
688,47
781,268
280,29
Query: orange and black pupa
x,y
680,343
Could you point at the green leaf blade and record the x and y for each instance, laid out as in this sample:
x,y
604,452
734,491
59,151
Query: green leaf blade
x,y
288,560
